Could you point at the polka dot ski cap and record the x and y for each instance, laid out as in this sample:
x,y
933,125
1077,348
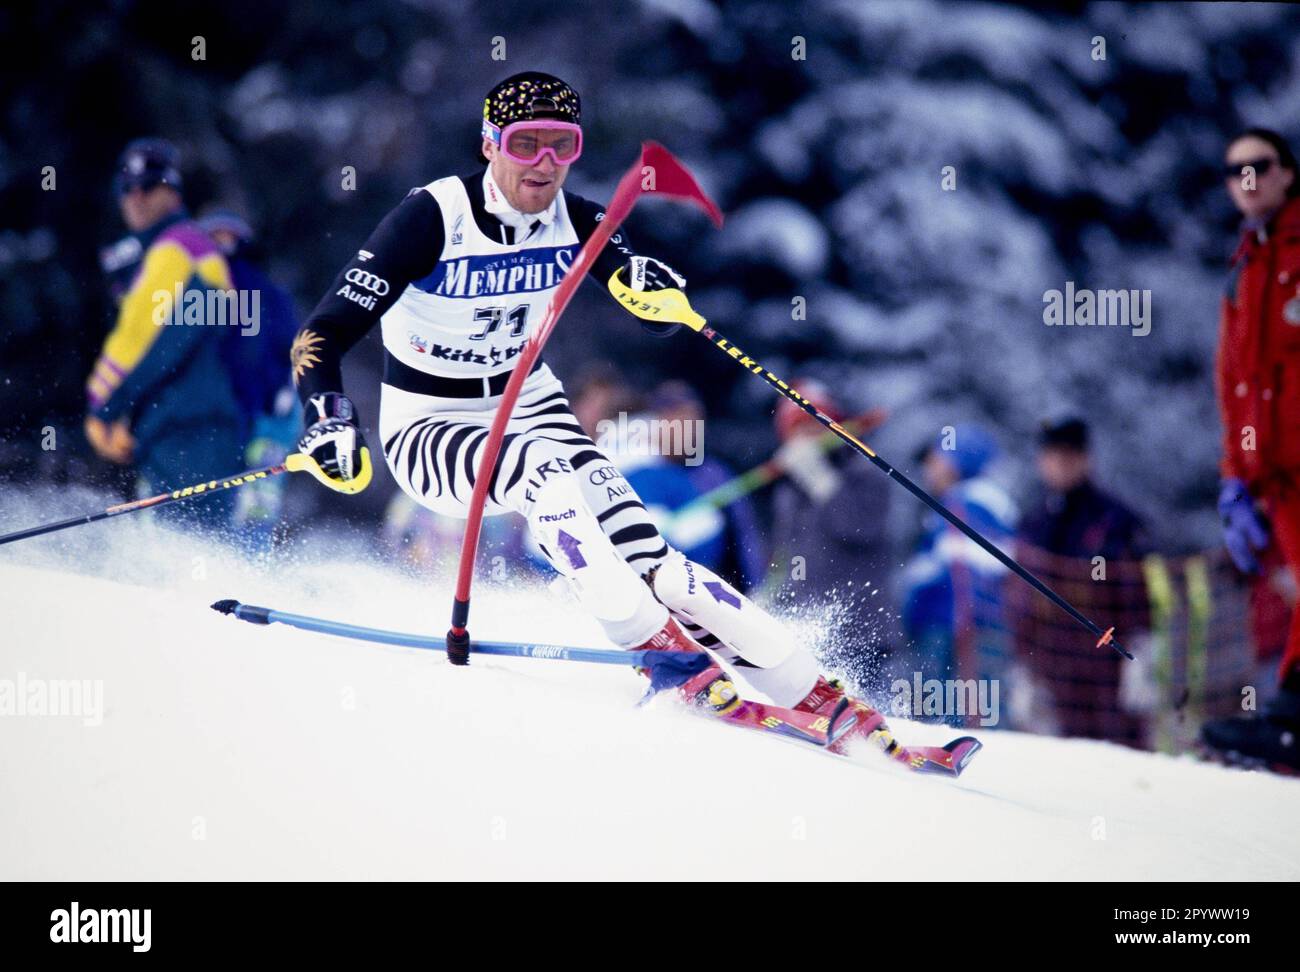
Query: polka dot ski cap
x,y
527,97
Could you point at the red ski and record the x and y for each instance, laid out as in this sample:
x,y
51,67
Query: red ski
x,y
851,720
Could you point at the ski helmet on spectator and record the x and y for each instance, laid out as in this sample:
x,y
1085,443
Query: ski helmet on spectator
x,y
968,447
145,163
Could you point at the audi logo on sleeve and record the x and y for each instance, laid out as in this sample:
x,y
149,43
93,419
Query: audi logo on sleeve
x,y
365,281
368,281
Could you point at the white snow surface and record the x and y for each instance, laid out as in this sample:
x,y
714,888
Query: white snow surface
x,y
230,751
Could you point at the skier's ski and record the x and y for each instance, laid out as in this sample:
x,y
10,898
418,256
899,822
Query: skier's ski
x,y
831,735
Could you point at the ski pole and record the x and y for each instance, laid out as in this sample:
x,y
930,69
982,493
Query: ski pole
x,y
294,462
671,305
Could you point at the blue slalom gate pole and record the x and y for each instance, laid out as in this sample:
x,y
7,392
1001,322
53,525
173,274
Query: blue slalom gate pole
x,y
598,656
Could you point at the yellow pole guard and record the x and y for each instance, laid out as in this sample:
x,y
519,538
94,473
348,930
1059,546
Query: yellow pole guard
x,y
664,306
301,462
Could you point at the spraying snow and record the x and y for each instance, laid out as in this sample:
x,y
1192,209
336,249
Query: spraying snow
x,y
227,751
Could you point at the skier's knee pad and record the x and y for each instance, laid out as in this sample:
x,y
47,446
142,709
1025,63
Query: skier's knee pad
x,y
606,587
772,661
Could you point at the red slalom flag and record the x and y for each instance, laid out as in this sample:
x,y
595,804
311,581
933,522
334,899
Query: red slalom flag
x,y
662,173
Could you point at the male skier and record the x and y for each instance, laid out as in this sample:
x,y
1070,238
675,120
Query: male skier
x,y
458,274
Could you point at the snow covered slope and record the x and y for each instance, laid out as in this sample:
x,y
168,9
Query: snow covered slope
x,y
230,751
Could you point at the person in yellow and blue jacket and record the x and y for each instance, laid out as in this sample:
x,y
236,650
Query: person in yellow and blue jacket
x,y
159,395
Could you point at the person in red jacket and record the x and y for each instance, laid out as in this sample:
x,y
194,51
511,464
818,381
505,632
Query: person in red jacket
x,y
1258,384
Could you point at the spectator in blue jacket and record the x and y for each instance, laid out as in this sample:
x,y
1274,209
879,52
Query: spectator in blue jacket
x,y
256,358
738,552
258,363
953,589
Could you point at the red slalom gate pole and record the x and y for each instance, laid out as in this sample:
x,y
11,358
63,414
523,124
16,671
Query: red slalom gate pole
x,y
656,172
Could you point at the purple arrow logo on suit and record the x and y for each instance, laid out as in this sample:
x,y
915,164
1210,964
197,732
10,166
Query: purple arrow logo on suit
x,y
721,594
570,544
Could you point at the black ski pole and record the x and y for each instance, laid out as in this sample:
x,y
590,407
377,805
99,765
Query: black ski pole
x,y
672,305
294,462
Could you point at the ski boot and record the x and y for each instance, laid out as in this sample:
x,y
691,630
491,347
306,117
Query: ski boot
x,y
848,718
1269,740
676,662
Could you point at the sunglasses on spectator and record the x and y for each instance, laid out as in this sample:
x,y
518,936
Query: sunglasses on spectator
x,y
1233,170
124,185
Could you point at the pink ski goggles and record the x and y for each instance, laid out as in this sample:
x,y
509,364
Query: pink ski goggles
x,y
525,142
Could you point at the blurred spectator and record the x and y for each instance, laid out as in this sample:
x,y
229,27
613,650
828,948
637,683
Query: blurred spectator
x,y
625,425
423,539
740,555
952,609
258,362
830,511
257,358
1074,518
1272,603
644,453
158,395
1084,692
1258,384
120,262
599,393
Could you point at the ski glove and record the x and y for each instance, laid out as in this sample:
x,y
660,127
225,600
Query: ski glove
x,y
334,442
647,273
1244,530
111,441
804,460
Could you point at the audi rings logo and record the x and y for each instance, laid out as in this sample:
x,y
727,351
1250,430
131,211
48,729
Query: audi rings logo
x,y
368,281
603,475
